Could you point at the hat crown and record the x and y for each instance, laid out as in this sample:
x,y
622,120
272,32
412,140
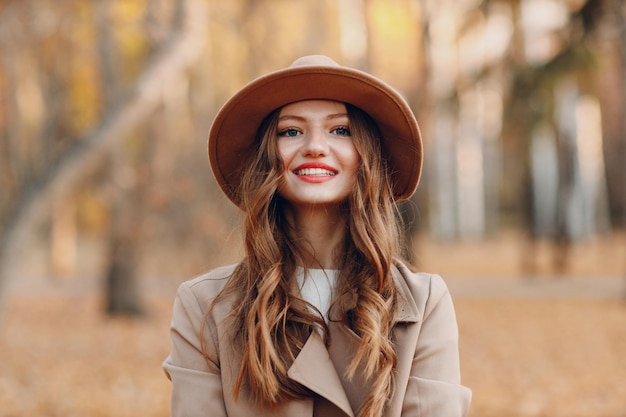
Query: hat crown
x,y
314,61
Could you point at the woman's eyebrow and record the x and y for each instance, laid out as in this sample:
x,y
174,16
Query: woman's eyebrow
x,y
337,116
291,117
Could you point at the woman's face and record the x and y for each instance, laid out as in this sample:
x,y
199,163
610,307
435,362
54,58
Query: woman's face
x,y
318,153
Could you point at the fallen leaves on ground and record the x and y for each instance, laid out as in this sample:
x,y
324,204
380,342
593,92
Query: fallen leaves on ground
x,y
544,357
521,357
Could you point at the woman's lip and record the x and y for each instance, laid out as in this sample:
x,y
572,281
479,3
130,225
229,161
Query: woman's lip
x,y
315,166
314,178
315,172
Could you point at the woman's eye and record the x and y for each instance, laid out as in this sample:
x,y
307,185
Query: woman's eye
x,y
342,131
288,133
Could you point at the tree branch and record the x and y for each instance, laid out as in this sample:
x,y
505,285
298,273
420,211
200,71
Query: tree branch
x,y
179,53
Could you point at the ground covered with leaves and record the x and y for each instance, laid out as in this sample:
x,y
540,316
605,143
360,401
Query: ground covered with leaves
x,y
522,356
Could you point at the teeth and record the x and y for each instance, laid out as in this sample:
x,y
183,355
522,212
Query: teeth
x,y
315,171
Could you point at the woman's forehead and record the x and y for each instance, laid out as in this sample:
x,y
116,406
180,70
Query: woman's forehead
x,y
314,106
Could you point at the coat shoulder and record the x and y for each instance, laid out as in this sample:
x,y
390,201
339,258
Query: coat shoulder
x,y
421,281
207,286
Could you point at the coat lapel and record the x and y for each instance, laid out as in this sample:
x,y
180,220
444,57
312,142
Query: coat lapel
x,y
344,342
407,307
314,369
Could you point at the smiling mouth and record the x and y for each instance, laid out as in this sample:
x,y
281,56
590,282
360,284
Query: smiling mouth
x,y
317,172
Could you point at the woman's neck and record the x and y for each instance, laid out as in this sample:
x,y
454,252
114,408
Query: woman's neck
x,y
321,233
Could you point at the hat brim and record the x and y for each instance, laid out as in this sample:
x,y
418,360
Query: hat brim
x,y
235,126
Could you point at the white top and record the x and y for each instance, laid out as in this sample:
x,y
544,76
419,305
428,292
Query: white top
x,y
318,287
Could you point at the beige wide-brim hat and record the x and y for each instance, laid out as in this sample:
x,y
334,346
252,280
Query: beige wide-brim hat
x,y
232,135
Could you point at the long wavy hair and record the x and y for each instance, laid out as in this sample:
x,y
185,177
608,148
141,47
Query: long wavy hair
x,y
271,321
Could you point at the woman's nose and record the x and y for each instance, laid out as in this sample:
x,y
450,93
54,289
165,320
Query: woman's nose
x,y
316,143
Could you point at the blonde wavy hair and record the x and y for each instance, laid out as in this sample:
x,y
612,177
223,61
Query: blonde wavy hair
x,y
271,323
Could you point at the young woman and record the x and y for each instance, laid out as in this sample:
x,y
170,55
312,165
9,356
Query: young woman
x,y
322,317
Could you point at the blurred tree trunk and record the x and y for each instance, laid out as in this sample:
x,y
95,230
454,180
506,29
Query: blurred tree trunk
x,y
443,125
127,191
622,42
419,100
122,288
568,197
124,204
620,176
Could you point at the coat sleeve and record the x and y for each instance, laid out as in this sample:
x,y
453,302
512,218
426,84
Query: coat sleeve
x,y
434,388
196,380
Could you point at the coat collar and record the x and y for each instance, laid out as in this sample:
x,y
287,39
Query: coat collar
x,y
407,307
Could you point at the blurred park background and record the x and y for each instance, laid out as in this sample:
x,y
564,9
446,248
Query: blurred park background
x,y
107,202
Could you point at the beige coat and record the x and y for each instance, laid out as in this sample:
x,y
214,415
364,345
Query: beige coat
x,y
427,382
